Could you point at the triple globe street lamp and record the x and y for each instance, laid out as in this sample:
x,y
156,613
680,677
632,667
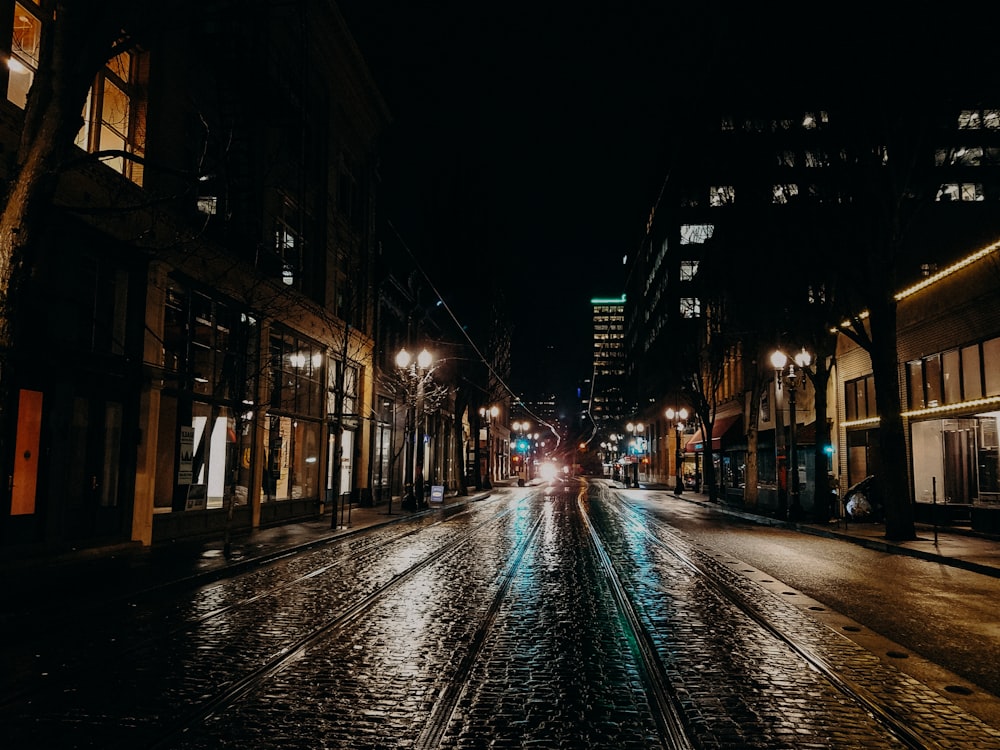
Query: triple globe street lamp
x,y
638,449
415,371
793,379
676,420
523,450
489,415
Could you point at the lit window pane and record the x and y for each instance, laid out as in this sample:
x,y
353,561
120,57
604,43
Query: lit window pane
x,y
952,384
114,109
991,366
23,61
688,270
696,234
972,383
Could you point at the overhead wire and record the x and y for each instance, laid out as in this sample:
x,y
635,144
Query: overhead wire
x,y
482,358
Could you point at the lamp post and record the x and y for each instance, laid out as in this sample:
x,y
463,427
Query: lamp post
x,y
415,372
489,414
523,449
676,420
793,379
613,447
636,443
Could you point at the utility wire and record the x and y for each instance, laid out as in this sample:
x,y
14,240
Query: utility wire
x,y
468,338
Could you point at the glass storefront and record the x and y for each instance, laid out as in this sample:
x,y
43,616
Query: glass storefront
x,y
205,436
292,450
955,460
294,420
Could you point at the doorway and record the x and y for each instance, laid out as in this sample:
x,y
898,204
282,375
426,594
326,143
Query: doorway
x,y
93,465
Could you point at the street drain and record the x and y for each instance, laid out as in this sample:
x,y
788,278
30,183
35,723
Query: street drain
x,y
896,655
788,593
818,609
852,628
959,689
766,580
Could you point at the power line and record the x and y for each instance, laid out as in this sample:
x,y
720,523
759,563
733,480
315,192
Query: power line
x,y
468,338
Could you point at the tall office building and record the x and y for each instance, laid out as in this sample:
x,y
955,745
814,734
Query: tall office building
x,y
606,403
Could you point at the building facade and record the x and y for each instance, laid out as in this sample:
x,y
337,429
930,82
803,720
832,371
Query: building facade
x,y
208,278
735,216
606,402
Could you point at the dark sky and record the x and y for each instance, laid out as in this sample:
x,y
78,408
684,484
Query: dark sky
x,y
530,139
526,151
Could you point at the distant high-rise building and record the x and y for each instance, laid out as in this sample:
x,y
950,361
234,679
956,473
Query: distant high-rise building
x,y
606,401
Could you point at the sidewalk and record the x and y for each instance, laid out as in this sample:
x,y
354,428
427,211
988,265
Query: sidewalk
x,y
946,545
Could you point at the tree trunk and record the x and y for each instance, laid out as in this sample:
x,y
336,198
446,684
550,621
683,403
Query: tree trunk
x,y
893,483
708,462
751,490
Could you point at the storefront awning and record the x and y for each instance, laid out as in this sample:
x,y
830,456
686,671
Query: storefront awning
x,y
719,429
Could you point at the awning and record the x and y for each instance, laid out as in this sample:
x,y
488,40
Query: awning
x,y
719,429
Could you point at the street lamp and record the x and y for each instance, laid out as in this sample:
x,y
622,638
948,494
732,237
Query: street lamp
x,y
613,448
523,449
794,379
489,415
415,372
637,448
676,420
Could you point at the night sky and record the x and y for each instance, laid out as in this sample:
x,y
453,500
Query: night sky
x,y
530,140
526,151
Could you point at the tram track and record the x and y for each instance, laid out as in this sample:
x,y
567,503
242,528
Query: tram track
x,y
326,630
668,712
89,672
910,729
556,591
89,647
444,707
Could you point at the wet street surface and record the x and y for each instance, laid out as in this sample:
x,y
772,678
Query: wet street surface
x,y
562,616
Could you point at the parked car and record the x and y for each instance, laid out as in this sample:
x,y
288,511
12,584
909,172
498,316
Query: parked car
x,y
862,501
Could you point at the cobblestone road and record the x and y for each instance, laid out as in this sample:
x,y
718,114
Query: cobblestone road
x,y
494,628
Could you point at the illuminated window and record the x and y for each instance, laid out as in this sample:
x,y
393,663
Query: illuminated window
x,y
23,61
696,234
817,159
969,119
859,399
114,116
721,195
288,242
784,193
960,191
688,270
812,120
690,307
350,406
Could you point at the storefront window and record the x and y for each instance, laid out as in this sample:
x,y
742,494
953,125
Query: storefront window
x,y
955,460
292,441
292,450
205,435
